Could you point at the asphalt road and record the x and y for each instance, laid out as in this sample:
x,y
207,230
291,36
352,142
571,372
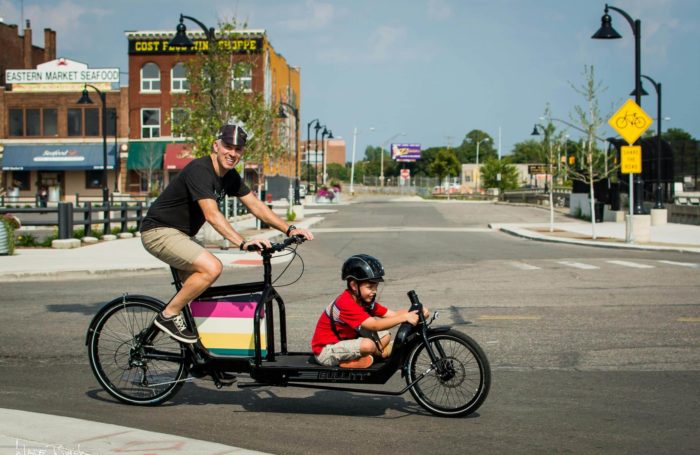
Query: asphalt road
x,y
592,350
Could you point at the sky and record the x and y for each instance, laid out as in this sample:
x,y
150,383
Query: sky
x,y
428,71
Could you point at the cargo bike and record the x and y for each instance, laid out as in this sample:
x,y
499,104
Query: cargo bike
x,y
445,371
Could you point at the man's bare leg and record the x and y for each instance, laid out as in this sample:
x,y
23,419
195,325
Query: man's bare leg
x,y
207,269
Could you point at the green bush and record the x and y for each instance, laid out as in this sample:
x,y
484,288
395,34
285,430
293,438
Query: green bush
x,y
26,240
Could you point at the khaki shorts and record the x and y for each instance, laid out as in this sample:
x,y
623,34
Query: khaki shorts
x,y
173,247
333,354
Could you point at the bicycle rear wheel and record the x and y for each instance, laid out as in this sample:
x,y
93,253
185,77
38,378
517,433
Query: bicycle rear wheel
x,y
457,383
130,369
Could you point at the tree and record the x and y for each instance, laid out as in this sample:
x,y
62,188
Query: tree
x,y
594,165
529,152
446,164
466,152
338,172
499,174
215,99
152,168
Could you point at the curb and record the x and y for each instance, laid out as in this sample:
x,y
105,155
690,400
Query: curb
x,y
527,234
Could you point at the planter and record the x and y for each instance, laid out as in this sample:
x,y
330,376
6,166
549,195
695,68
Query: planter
x,y
6,244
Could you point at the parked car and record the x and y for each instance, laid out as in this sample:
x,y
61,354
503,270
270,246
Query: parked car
x,y
302,190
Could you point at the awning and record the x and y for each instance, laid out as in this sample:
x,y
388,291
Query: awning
x,y
146,155
56,157
177,156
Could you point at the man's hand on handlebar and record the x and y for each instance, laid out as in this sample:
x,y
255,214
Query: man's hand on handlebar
x,y
302,232
256,245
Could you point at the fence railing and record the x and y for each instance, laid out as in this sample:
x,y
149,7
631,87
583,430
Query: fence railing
x,y
66,217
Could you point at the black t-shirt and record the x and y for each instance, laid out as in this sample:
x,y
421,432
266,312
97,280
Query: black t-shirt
x,y
177,206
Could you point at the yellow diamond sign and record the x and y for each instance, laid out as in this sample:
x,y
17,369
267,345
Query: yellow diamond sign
x,y
630,121
631,159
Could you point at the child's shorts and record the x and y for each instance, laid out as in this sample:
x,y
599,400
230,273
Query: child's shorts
x,y
333,354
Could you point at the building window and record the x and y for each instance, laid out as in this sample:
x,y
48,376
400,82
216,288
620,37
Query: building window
x,y
50,122
178,117
92,122
111,121
150,123
33,117
150,78
75,122
20,179
16,122
178,78
93,179
242,77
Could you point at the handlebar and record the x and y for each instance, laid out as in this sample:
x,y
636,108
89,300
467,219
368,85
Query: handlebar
x,y
276,247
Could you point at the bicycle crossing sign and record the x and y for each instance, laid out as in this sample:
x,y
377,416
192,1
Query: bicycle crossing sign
x,y
631,159
630,121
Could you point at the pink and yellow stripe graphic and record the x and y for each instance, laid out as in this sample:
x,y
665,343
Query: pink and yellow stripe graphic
x,y
226,326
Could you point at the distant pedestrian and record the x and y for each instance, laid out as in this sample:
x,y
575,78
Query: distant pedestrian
x,y
43,196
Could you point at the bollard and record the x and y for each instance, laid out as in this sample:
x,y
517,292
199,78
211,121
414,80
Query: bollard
x,y
65,220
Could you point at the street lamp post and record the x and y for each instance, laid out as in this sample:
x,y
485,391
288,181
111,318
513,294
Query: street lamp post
x,y
85,99
658,194
295,112
308,153
324,133
317,127
478,172
606,31
352,165
325,161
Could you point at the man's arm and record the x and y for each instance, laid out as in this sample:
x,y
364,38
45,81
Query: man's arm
x,y
219,222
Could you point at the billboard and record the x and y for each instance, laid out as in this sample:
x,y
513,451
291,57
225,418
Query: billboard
x,y
405,152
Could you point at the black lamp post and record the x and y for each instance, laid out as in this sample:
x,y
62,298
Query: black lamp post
x,y
282,114
308,154
317,127
85,99
658,194
182,40
324,133
606,31
323,167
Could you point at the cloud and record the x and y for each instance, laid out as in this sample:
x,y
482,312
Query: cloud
x,y
316,15
439,10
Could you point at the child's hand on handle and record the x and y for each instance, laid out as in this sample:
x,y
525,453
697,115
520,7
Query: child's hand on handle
x,y
412,317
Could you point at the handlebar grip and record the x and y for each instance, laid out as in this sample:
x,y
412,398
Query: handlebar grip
x,y
415,303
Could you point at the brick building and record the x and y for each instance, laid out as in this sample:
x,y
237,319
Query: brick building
x,y
47,139
157,82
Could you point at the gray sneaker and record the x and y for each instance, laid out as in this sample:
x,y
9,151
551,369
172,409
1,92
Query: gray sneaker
x,y
175,327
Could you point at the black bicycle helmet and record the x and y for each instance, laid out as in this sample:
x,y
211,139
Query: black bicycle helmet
x,y
363,267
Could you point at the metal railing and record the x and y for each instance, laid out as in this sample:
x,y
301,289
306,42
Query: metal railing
x,y
65,220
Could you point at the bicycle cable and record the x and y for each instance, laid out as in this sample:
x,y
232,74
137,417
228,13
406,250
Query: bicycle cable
x,y
292,251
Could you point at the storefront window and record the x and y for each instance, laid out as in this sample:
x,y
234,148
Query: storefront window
x,y
50,121
75,122
20,179
93,179
150,123
92,122
16,122
150,78
179,82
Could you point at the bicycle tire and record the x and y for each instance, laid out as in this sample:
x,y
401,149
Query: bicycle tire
x,y
125,369
456,394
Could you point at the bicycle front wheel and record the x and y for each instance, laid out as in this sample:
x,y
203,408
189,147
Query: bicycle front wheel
x,y
457,383
133,370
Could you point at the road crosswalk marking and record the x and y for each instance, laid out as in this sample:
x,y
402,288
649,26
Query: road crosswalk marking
x,y
524,266
578,265
631,264
682,264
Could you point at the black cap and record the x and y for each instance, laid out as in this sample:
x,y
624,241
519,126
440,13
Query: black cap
x,y
232,135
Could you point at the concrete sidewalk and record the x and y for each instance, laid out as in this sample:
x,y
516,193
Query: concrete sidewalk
x,y
667,237
121,255
24,432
